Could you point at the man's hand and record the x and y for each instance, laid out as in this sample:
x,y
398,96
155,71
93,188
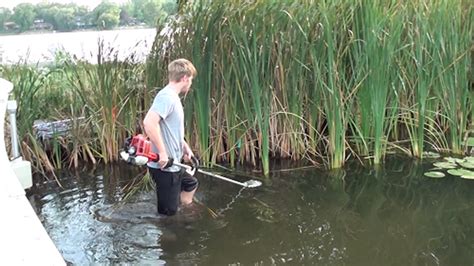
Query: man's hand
x,y
163,159
187,153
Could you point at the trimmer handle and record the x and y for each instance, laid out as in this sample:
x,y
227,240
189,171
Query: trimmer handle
x,y
194,162
170,162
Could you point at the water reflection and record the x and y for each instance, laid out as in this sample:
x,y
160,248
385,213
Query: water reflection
x,y
359,216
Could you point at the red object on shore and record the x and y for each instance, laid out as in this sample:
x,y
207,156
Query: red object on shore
x,y
143,146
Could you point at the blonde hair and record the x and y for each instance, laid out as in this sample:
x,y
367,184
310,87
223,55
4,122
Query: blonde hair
x,y
180,68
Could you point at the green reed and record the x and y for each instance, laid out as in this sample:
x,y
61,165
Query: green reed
x,y
252,61
304,72
321,81
28,83
452,35
110,93
328,56
378,28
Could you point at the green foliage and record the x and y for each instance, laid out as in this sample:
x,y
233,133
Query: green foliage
x,y
321,81
149,11
63,17
5,15
454,167
23,16
152,11
68,17
107,21
28,82
169,7
106,15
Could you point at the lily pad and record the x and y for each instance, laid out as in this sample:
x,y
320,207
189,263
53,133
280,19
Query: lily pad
x,y
445,165
469,159
460,172
435,174
468,176
450,159
466,164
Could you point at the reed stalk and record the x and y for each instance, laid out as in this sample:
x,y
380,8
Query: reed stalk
x,y
452,36
379,28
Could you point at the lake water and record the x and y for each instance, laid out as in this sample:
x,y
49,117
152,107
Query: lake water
x,y
83,44
392,215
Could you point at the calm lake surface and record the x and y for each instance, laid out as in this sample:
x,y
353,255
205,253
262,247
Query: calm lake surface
x,y
43,47
361,216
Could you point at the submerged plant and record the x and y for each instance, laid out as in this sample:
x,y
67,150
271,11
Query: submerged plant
x,y
141,182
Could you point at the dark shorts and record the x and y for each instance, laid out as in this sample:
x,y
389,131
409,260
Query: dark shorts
x,y
169,186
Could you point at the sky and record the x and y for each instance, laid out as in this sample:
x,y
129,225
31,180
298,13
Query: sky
x,y
89,3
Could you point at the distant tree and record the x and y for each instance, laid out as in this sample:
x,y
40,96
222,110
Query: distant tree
x,y
170,7
24,15
124,16
137,9
106,15
151,12
62,17
148,11
82,16
43,11
127,8
5,15
108,21
65,19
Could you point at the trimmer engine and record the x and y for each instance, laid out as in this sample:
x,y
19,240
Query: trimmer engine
x,y
137,151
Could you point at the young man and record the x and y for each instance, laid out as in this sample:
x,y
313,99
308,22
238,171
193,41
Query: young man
x,y
164,125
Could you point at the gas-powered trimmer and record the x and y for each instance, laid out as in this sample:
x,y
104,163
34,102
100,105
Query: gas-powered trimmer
x,y
137,151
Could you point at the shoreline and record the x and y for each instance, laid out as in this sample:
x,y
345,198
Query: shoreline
x,y
39,32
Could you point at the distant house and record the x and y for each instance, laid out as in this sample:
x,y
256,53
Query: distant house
x,y
10,25
80,24
39,24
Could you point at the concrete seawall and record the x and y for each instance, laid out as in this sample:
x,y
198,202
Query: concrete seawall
x,y
24,240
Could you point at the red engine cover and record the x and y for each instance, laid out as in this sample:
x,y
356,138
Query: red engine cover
x,y
143,146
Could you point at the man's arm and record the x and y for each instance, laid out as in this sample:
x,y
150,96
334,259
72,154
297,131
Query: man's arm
x,y
153,131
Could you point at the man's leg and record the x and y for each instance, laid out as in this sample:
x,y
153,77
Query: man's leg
x,y
167,191
187,197
189,186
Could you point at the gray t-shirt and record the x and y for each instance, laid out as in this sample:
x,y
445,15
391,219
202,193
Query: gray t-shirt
x,y
167,105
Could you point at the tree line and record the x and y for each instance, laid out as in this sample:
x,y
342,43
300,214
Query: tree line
x,y
69,17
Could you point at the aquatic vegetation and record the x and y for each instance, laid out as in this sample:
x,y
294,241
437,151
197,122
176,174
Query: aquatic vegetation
x,y
435,174
325,81
141,182
317,81
462,167
264,212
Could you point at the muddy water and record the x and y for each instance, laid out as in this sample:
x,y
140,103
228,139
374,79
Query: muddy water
x,y
359,216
